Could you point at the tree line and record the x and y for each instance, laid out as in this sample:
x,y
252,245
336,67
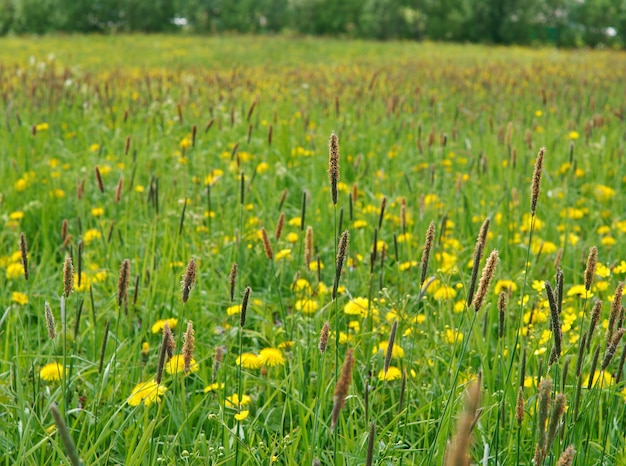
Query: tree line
x,y
568,23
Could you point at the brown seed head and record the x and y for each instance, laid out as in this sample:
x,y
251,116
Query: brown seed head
x,y
590,270
279,226
324,337
333,165
188,346
481,241
612,347
24,254
567,457
341,389
519,406
483,284
534,191
122,282
267,246
390,343
244,306
341,255
68,276
189,279
428,246
98,179
50,322
308,247
118,190
232,279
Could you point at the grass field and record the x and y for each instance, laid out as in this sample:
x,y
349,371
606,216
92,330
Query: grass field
x,y
140,169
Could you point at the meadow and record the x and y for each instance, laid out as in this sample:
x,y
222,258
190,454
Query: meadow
x,y
256,250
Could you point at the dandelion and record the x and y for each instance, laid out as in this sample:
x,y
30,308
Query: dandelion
x,y
14,271
178,364
249,361
159,325
393,373
233,401
271,357
52,372
149,392
20,298
306,306
242,415
213,387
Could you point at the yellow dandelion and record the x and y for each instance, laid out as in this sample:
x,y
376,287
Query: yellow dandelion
x,y
292,237
393,373
396,350
452,336
233,310
91,235
357,306
232,401
148,392
242,415
249,361
271,357
97,211
580,291
52,372
15,270
160,324
213,387
508,285
176,365
306,306
19,298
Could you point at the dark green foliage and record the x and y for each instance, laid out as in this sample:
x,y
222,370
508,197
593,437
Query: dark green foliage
x,y
568,23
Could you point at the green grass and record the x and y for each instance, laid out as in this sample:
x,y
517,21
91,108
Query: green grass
x,y
451,131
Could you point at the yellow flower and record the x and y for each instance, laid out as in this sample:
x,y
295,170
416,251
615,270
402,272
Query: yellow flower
x,y
249,361
176,365
160,324
359,224
580,291
91,234
295,222
17,215
213,387
94,147
393,373
42,127
620,268
52,372
600,382
306,306
262,167
19,298
573,135
214,176
504,285
145,348
357,306
271,357
57,193
148,392
283,254
233,310
15,270
444,292
292,237
242,415
302,285
232,401
97,211
602,270
452,336
396,350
